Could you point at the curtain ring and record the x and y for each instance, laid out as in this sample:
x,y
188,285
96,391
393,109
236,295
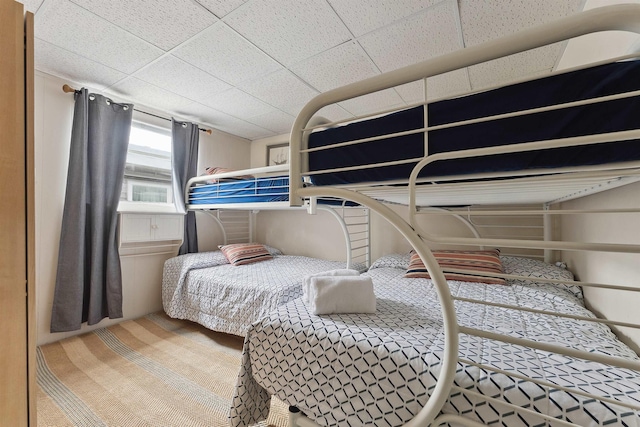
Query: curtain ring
x,y
108,101
125,108
92,97
184,124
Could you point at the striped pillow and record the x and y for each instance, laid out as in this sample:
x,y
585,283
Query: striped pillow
x,y
472,261
245,253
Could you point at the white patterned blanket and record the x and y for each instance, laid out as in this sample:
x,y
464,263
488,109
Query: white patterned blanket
x,y
379,369
206,289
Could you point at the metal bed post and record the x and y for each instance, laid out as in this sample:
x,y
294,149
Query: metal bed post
x,y
548,233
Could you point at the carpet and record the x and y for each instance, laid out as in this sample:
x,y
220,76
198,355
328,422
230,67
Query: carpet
x,y
153,371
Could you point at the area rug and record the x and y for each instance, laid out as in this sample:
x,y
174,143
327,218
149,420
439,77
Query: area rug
x,y
153,371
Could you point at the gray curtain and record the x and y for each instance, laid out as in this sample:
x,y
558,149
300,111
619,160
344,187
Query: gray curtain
x,y
184,164
88,281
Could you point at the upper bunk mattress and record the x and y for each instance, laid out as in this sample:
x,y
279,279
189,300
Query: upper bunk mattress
x,y
271,189
604,117
253,190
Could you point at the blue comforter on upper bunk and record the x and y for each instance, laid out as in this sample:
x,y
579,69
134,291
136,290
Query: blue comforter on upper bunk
x,y
609,116
272,189
252,190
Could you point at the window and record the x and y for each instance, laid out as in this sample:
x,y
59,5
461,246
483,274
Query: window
x,y
147,173
143,191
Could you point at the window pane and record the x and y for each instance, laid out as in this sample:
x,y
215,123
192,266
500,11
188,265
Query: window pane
x,y
147,175
145,193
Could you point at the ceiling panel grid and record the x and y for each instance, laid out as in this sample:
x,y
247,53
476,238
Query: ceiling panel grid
x,y
247,66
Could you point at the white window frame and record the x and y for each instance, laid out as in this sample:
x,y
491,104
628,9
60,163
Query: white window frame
x,y
148,207
132,182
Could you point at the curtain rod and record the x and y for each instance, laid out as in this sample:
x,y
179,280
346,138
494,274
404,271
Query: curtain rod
x,y
68,89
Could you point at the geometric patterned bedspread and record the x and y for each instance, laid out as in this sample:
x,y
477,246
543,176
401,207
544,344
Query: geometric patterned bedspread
x,y
379,369
206,289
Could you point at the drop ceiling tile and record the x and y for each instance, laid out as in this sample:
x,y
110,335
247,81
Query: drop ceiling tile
x,y
373,102
75,29
32,5
163,23
363,16
221,8
336,67
223,53
200,113
137,91
504,70
241,128
289,30
237,103
490,19
446,85
247,130
209,117
412,93
59,62
449,84
431,33
334,113
276,121
281,89
181,78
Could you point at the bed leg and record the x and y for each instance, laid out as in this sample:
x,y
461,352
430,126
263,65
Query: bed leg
x,y
298,419
294,414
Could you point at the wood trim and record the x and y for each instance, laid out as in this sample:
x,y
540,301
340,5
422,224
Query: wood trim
x,y
13,218
31,215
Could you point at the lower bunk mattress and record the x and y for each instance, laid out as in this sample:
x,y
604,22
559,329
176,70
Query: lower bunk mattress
x,y
379,369
206,289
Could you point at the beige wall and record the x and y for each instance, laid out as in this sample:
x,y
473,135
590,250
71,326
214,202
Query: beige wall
x,y
142,275
600,46
296,232
604,267
224,150
259,149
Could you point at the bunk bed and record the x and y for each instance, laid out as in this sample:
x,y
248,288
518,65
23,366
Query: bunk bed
x,y
228,297
441,351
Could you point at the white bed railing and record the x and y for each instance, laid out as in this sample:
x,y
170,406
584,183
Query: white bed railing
x,y
258,173
236,226
619,17
575,182
236,221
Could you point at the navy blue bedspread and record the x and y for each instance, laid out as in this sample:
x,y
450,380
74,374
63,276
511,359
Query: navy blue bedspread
x,y
604,117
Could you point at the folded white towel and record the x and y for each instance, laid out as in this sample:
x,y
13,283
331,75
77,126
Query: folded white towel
x,y
341,294
306,283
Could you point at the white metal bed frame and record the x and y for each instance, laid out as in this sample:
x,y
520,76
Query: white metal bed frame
x,y
567,183
267,170
236,221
